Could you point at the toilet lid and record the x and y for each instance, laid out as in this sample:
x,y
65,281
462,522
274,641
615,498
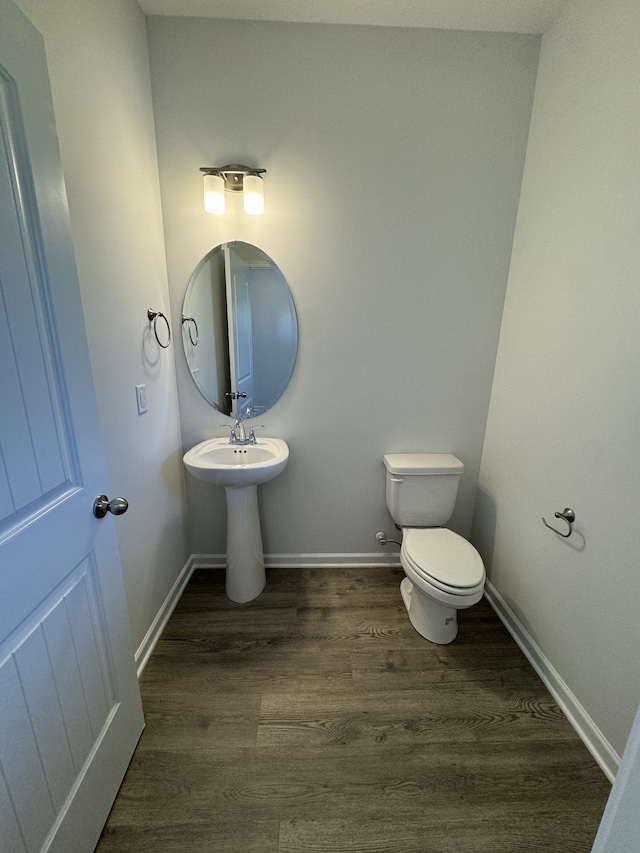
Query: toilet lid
x,y
443,557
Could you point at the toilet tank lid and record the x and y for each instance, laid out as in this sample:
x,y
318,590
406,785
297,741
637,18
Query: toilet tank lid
x,y
422,463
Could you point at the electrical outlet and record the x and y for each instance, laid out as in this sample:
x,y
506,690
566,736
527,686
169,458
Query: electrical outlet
x,y
141,398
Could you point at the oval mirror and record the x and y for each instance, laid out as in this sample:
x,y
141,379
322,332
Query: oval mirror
x,y
239,329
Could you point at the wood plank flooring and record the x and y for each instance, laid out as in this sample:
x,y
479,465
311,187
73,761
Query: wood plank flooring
x,y
316,720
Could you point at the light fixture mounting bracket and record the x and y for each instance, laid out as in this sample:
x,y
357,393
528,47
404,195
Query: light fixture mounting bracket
x,y
233,175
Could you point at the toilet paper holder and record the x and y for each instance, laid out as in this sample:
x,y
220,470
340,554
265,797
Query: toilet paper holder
x,y
567,515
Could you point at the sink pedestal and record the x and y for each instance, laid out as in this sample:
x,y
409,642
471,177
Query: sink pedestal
x,y
246,575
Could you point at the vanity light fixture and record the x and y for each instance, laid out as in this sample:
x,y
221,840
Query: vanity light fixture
x,y
233,178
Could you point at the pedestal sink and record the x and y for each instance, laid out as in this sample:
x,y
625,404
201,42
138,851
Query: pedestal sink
x,y
240,468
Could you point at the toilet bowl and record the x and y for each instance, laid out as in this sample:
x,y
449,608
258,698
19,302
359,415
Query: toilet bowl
x,y
444,572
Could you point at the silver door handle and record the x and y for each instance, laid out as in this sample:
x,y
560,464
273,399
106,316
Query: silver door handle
x,y
102,505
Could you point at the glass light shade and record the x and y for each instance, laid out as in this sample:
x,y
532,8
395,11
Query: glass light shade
x,y
253,195
214,193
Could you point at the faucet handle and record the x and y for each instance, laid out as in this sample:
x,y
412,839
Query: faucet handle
x,y
252,435
232,431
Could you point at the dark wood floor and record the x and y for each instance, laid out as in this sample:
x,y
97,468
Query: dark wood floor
x,y
315,720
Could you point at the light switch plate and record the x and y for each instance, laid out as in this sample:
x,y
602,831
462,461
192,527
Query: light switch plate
x,y
141,398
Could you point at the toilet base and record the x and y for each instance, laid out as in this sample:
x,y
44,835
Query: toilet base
x,y
432,620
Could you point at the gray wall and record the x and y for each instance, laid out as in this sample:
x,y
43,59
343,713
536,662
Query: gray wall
x,y
565,419
394,163
99,72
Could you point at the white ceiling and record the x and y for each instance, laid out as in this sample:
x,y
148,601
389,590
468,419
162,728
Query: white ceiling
x,y
521,16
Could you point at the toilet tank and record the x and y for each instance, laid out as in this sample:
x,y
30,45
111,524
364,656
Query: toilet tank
x,y
422,487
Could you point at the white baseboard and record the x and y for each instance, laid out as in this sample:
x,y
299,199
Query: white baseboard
x,y
587,731
162,617
303,561
332,561
208,561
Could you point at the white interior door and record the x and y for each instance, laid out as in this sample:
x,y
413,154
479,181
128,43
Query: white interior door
x,y
70,711
240,331
619,830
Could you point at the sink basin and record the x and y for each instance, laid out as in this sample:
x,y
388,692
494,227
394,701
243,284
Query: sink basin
x,y
217,461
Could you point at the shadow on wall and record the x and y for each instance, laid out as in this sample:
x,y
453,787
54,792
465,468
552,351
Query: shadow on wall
x,y
483,528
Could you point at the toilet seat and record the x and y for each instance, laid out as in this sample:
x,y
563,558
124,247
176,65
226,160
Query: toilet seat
x,y
444,560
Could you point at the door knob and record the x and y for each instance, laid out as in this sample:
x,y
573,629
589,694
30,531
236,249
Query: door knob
x,y
102,505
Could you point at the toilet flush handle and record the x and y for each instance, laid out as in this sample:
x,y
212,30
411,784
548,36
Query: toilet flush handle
x,y
397,479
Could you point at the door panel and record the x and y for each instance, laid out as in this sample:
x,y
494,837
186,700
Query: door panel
x,y
240,331
30,434
69,699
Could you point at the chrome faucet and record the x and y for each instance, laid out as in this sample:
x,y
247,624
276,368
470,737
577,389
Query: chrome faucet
x,y
239,434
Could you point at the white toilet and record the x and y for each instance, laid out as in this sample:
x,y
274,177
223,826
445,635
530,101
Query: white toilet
x,y
444,572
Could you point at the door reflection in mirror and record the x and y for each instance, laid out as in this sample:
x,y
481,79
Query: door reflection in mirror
x,y
247,338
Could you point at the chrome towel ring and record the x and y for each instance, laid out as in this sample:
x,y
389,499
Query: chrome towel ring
x,y
153,318
192,326
567,515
